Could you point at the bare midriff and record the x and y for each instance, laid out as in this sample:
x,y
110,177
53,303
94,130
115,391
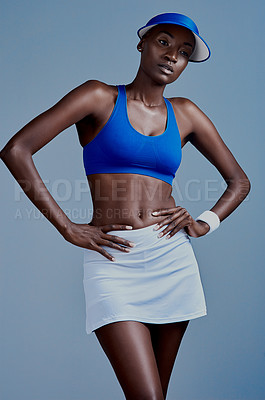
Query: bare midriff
x,y
124,198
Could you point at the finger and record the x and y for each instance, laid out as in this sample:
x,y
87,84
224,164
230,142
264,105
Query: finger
x,y
171,218
179,226
118,239
167,229
113,227
164,211
104,253
175,225
173,231
165,221
115,246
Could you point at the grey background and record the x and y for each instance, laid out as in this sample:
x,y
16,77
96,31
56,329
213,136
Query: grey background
x,y
47,49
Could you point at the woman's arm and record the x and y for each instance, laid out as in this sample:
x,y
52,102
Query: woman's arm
x,y
207,140
90,98
17,153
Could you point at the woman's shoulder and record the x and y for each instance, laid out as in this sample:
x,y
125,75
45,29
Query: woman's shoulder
x,y
94,95
99,88
182,102
186,107
188,115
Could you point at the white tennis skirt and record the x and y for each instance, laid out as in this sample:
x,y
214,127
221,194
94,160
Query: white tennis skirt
x,y
157,282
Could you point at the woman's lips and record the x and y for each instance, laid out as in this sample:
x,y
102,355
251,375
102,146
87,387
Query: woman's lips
x,y
167,69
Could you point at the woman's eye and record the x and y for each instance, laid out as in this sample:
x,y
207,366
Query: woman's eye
x,y
185,53
164,42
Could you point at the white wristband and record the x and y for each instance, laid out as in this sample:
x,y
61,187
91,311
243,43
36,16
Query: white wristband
x,y
211,219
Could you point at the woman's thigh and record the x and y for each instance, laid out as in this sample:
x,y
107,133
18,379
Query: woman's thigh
x,y
166,339
128,346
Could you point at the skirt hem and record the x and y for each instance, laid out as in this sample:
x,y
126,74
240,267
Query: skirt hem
x,y
106,321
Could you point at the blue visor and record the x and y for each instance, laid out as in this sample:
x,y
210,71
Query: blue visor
x,y
201,51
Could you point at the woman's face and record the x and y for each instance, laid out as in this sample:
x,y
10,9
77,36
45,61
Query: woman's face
x,y
165,50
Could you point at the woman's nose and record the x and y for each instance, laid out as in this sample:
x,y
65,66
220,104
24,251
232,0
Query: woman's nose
x,y
172,56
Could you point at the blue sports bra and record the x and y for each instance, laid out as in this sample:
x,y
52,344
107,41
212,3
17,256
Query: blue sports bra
x,y
119,148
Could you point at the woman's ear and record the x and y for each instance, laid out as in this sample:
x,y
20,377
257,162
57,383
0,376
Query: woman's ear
x,y
140,46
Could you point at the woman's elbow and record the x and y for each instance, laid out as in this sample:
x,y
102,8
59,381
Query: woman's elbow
x,y
244,183
12,151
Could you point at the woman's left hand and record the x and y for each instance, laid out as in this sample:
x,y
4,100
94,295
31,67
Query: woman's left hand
x,y
178,218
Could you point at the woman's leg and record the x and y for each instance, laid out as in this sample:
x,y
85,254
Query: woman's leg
x,y
166,339
128,346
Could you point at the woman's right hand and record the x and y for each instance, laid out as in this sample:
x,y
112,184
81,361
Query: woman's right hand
x,y
92,237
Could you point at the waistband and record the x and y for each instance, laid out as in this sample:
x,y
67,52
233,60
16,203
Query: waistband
x,y
146,231
146,243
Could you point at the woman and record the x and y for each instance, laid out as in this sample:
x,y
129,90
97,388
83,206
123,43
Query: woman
x,y
141,290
